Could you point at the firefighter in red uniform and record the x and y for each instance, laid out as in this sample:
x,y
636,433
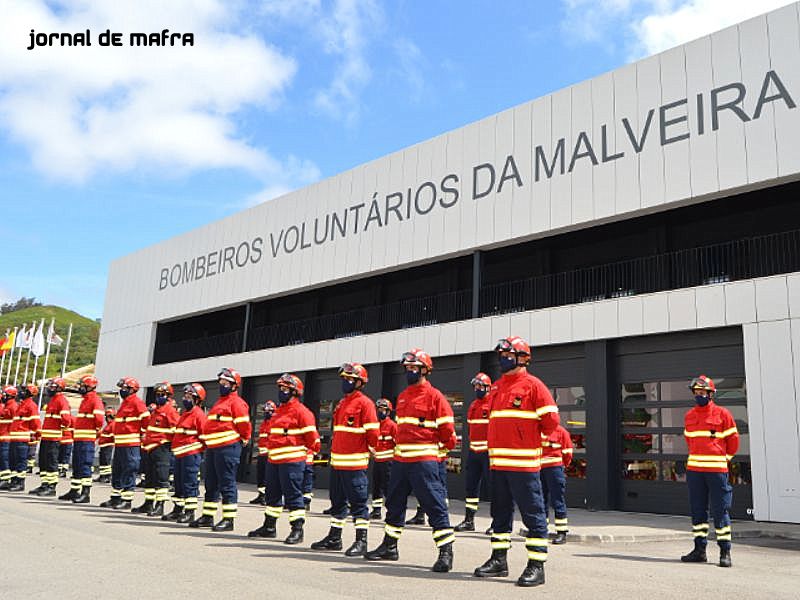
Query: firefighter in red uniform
x,y
106,445
712,439
156,443
292,435
383,455
187,449
7,412
130,422
478,456
226,432
56,418
556,457
521,411
424,421
263,452
24,429
88,423
65,445
355,430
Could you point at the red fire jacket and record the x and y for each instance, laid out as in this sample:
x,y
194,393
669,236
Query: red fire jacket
x,y
522,409
106,435
186,440
263,437
292,434
161,427
355,430
130,422
712,438
228,422
478,421
54,417
384,447
424,423
68,433
7,412
89,420
26,423
557,448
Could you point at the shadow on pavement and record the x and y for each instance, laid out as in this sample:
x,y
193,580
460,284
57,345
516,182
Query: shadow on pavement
x,y
630,557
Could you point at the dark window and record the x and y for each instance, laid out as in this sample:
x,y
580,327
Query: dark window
x,y
209,334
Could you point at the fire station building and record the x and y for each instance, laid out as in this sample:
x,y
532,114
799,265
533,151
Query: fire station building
x,y
638,229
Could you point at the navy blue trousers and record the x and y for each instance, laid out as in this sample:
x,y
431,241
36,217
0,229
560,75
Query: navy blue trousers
x,y
65,454
221,466
381,472
5,465
285,488
261,472
349,487
424,479
18,458
554,485
48,456
186,470
308,480
124,468
82,460
525,490
477,471
714,489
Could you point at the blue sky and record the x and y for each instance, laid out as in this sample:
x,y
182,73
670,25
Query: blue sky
x,y
104,151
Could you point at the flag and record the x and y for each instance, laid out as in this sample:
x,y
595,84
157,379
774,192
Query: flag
x,y
53,337
23,338
37,341
8,342
3,341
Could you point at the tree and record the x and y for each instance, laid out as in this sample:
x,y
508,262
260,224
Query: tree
x,y
18,305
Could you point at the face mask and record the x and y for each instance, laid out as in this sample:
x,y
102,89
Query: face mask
x,y
224,389
124,394
413,377
50,392
348,385
382,414
284,396
480,394
701,400
507,363
161,400
188,404
83,390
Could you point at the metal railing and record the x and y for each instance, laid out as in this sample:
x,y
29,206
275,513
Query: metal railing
x,y
213,345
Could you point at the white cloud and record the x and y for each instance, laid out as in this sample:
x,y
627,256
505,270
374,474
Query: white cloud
x,y
84,110
298,171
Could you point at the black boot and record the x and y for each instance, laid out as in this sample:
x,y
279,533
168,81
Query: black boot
x,y
296,534
4,485
186,516
307,504
332,541
327,511
698,555
48,491
143,508
417,519
267,530
38,490
532,575
496,566
375,514
70,495
174,514
104,479
468,524
123,505
226,524
112,502
203,521
359,547
17,484
260,499
444,563
725,557
386,551
83,497
157,510
559,538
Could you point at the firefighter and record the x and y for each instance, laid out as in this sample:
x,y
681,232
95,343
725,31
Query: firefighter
x,y
355,431
130,422
424,421
308,481
226,432
156,445
383,455
521,410
105,442
65,445
292,435
56,417
478,456
7,412
188,451
88,423
263,452
24,429
556,457
712,439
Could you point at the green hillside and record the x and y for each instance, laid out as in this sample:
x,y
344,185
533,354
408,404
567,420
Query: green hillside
x,y
82,348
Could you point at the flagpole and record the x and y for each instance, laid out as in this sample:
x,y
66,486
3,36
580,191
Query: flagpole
x,y
36,360
46,358
27,361
19,356
11,356
66,351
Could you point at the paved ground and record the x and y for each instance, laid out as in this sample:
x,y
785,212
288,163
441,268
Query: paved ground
x,y
52,550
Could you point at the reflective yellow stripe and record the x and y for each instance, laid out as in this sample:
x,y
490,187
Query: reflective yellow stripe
x,y
721,458
443,420
186,448
566,451
417,422
349,429
353,456
511,462
515,451
370,426
551,460
477,421
241,420
385,454
548,408
513,414
161,429
216,439
281,431
708,433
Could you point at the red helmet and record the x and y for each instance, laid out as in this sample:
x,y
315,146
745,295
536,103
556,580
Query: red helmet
x,y
89,382
56,383
703,383
515,344
9,392
28,390
270,407
354,371
292,382
230,375
195,390
163,389
384,403
129,382
418,357
481,379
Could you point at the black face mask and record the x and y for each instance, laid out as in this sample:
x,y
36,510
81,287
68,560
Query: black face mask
x,y
161,400
413,377
480,394
224,390
507,363
188,404
83,390
284,396
124,394
382,414
348,386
